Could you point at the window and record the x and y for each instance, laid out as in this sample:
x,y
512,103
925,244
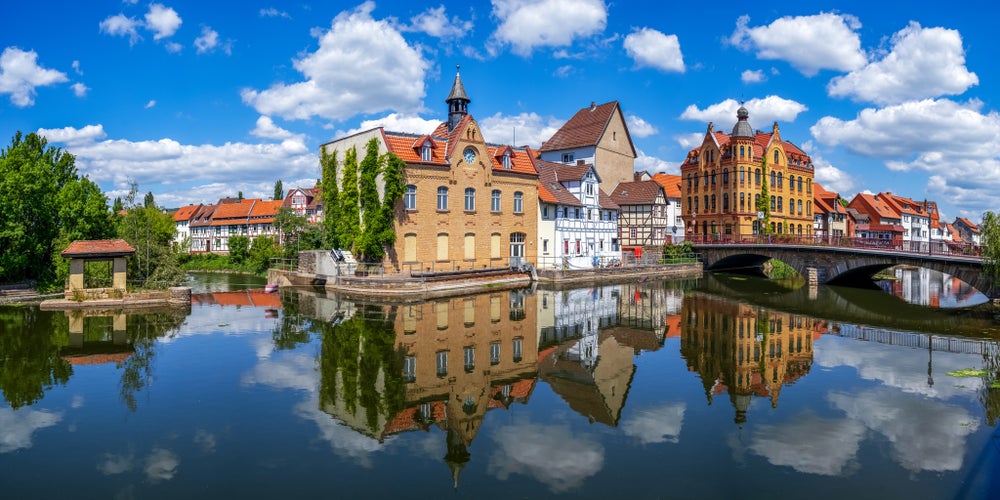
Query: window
x,y
442,363
742,151
713,177
425,152
518,202
725,176
780,181
495,353
410,368
779,204
742,200
800,183
495,201
506,159
773,203
773,178
589,188
800,207
442,198
517,350
567,157
742,175
775,156
725,202
756,176
410,197
470,358
632,233
576,213
470,200
713,202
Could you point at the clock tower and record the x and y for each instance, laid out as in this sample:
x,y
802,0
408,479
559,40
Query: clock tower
x,y
458,102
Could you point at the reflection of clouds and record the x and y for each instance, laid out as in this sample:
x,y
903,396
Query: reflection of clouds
x,y
161,465
205,440
214,319
17,426
895,366
290,371
76,402
116,464
656,425
345,441
810,444
925,434
548,453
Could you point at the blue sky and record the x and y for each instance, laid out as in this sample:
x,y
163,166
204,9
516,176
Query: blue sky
x,y
199,100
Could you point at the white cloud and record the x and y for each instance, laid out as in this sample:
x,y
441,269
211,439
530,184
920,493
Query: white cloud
x,y
656,425
272,12
16,427
653,164
810,444
689,141
150,104
808,43
162,21
161,465
120,25
435,22
76,67
116,464
79,89
20,75
923,62
199,173
550,454
173,47
639,127
525,129
749,76
763,112
830,177
564,71
527,24
395,123
267,129
208,40
651,48
362,65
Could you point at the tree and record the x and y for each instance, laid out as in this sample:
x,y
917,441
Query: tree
x,y
279,191
764,203
239,248
148,201
991,245
239,195
350,215
331,197
37,215
263,249
151,232
368,242
290,226
117,207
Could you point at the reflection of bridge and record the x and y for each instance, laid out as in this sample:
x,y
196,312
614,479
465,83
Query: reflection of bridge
x,y
915,340
849,262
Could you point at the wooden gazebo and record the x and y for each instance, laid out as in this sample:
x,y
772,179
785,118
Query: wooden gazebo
x,y
81,251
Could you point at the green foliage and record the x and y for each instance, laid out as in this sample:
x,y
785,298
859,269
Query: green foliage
x,y
780,270
764,203
148,201
290,226
44,205
350,217
331,198
279,191
262,250
151,232
239,248
30,362
990,240
677,252
367,243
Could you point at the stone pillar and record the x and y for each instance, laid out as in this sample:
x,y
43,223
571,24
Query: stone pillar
x,y
75,275
119,283
180,295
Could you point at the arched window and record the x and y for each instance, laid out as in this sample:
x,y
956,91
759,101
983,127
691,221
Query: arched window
x,y
713,202
518,202
410,197
741,151
725,176
706,178
695,204
713,177
800,207
706,202
773,179
470,199
756,176
809,210
779,204
742,200
742,175
696,177
689,180
780,181
689,203
800,183
506,159
495,200
775,156
442,198
791,182
773,204
725,202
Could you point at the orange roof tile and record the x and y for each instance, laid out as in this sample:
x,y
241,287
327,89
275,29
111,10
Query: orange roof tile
x,y
98,248
238,210
186,212
671,184
266,208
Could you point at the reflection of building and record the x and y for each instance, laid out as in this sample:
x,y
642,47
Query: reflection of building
x,y
744,350
452,361
102,341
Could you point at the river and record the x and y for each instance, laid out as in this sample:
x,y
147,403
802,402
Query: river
x,y
722,387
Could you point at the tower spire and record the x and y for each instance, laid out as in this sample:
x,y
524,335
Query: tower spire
x,y
458,101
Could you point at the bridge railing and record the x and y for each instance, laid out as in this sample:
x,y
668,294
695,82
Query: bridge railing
x,y
911,247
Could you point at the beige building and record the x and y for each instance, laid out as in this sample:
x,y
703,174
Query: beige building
x,y
597,135
468,204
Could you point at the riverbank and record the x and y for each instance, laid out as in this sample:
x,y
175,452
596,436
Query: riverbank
x,y
175,296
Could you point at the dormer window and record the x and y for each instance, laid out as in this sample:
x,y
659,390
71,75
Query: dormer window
x,y
506,159
567,157
425,152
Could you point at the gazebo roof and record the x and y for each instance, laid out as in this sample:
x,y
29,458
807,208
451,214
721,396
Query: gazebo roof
x,y
98,248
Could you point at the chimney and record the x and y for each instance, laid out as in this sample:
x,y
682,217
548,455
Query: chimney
x,y
592,106
580,163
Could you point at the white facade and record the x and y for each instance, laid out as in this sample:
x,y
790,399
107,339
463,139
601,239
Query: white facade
x,y
570,156
580,236
675,224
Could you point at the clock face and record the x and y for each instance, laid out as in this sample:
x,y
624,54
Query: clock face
x,y
470,155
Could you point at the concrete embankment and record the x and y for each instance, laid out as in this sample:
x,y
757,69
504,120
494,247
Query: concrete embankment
x,y
176,296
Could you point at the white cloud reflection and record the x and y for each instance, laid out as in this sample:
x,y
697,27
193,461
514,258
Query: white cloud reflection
x,y
809,443
17,426
551,454
656,425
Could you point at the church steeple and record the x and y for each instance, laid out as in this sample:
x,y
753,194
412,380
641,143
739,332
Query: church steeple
x,y
458,101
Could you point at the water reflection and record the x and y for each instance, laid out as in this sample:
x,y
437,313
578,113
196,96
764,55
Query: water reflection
x,y
927,287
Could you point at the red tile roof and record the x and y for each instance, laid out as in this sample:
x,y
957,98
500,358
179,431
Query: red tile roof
x,y
636,193
605,200
554,191
972,227
98,248
186,212
671,184
585,128
239,210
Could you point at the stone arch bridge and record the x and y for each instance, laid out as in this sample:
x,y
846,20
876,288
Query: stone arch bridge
x,y
842,266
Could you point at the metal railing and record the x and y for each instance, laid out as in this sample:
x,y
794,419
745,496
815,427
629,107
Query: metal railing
x,y
590,262
908,247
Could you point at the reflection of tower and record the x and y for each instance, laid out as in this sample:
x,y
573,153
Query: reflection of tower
x,y
744,350
456,458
